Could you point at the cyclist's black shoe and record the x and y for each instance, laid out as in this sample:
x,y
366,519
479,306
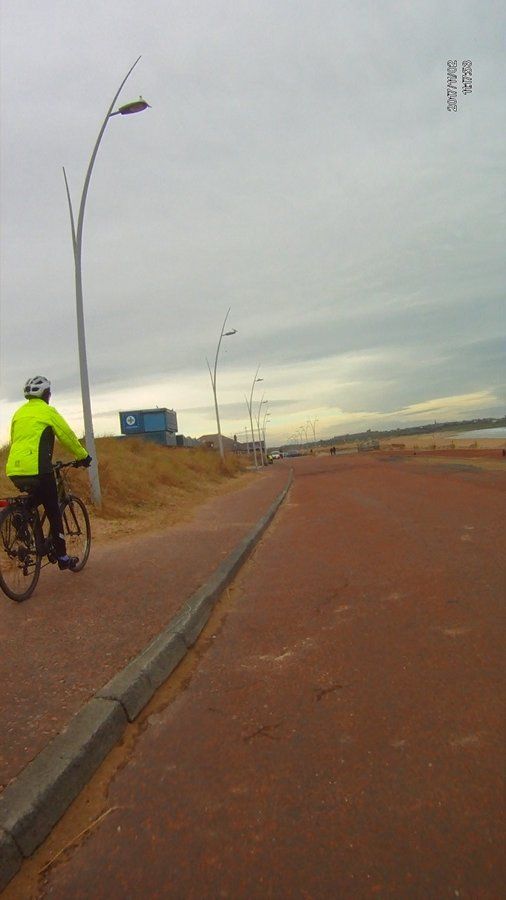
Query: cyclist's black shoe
x,y
67,562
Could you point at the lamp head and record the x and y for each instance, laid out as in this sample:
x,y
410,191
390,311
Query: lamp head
x,y
134,107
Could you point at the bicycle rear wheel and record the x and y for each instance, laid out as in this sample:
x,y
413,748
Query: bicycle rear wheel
x,y
19,560
76,530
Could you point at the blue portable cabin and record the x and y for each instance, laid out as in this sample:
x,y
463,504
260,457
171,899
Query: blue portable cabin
x,y
147,421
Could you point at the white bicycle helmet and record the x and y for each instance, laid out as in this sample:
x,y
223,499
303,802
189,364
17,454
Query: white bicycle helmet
x,y
36,387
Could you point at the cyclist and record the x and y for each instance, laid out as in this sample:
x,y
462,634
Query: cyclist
x,y
33,430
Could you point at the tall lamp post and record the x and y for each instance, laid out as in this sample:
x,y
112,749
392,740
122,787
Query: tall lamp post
x,y
267,415
262,401
249,404
213,379
77,238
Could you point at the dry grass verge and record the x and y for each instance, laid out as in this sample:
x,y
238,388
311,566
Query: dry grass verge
x,y
146,486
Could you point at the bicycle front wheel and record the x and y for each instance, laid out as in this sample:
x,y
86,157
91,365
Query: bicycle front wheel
x,y
76,530
19,560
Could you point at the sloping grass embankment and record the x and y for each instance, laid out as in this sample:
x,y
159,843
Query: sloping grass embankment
x,y
145,486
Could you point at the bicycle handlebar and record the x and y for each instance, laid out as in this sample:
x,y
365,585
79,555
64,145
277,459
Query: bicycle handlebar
x,y
64,465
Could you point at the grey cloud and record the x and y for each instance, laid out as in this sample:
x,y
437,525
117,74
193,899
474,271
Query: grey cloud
x,y
298,164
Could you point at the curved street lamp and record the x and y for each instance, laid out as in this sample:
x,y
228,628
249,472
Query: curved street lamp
x,y
267,415
249,404
213,379
262,401
77,238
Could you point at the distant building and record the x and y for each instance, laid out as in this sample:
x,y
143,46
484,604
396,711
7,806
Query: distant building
x,y
213,442
229,445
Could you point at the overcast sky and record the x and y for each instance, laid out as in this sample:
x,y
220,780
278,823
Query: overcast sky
x,y
298,165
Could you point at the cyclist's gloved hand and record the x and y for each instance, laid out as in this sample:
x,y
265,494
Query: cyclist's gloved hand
x,y
84,462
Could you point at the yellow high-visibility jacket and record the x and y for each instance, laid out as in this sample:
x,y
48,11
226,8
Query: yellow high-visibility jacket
x,y
33,429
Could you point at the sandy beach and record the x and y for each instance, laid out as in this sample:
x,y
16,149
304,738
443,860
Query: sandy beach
x,y
441,441
438,441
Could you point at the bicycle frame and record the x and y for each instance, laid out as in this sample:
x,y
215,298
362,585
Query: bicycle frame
x,y
39,520
24,552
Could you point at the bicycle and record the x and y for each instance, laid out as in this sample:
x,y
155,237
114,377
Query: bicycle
x,y
25,539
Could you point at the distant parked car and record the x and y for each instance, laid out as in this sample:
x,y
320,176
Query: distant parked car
x,y
276,454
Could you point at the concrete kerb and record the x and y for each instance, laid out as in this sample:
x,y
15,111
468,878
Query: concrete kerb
x,y
32,804
10,858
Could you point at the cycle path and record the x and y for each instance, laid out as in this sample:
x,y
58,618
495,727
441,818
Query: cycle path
x,y
77,631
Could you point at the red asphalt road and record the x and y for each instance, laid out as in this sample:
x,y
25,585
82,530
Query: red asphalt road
x,y
336,732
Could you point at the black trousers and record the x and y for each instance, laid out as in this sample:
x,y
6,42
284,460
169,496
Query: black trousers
x,y
43,490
